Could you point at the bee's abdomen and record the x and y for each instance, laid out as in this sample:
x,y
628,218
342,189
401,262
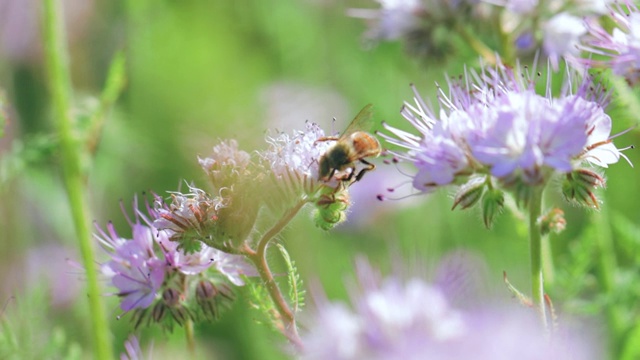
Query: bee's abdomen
x,y
365,144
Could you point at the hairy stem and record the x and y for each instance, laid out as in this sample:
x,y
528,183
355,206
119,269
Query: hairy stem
x,y
259,258
535,248
191,339
60,87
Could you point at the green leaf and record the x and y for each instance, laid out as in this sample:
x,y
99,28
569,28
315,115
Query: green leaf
x,y
296,290
259,300
114,85
31,152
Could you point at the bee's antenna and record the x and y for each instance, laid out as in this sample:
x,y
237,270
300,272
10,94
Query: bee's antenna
x,y
383,197
333,125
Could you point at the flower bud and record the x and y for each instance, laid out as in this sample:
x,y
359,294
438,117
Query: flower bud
x,y
469,193
331,207
553,221
210,297
492,204
578,187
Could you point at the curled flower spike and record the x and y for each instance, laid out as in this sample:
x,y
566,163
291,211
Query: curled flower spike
x,y
190,218
495,123
226,165
293,163
153,274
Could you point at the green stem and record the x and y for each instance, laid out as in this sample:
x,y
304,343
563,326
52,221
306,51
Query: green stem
x,y
606,265
259,258
60,88
191,339
535,243
481,48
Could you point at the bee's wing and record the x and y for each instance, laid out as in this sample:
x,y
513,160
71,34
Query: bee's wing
x,y
363,121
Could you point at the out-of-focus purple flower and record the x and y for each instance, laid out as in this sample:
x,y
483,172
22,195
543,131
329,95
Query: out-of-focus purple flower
x,y
561,36
366,208
413,319
496,123
233,267
526,41
132,348
516,6
621,47
393,20
20,38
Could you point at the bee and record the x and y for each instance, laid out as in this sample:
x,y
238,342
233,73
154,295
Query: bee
x,y
353,145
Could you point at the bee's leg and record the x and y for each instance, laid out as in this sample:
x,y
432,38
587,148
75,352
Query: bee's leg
x,y
331,174
350,176
326,138
326,200
369,167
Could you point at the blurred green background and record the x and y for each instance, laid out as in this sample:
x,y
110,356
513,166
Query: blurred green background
x,y
200,71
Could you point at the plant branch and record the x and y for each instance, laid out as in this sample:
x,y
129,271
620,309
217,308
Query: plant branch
x,y
259,258
535,244
60,87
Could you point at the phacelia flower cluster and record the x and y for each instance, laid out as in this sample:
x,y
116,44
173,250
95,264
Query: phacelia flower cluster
x,y
160,283
495,129
618,49
525,27
420,23
280,178
393,318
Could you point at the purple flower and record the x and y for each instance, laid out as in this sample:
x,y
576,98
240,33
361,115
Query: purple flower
x,y
225,165
228,266
134,268
193,213
293,164
496,123
561,36
393,20
297,153
148,266
621,47
412,319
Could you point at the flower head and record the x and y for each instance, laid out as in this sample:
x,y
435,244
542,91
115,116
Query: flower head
x,y
393,20
226,165
620,47
496,124
293,160
134,268
561,36
151,271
